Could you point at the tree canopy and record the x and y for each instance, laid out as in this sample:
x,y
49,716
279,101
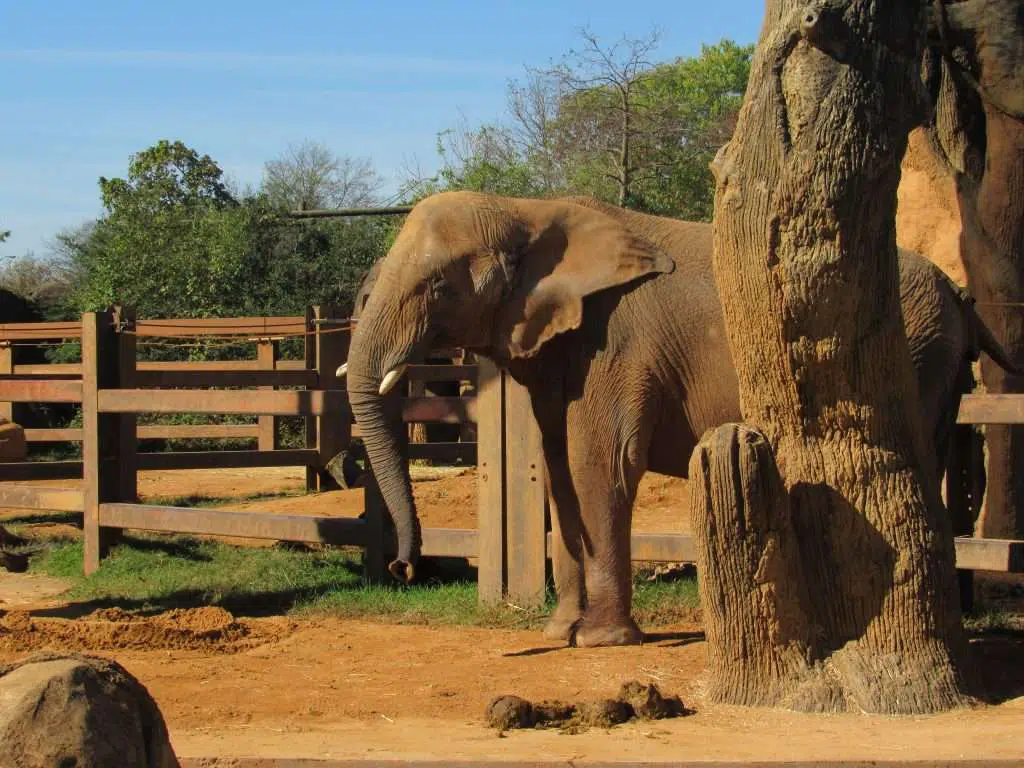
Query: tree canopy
x,y
607,122
174,242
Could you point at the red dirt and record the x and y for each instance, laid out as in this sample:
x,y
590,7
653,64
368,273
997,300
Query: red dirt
x,y
333,688
324,688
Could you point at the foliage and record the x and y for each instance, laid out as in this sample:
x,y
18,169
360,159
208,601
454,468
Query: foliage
x,y
310,176
609,123
174,242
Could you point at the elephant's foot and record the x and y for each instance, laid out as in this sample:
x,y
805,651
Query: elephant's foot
x,y
559,626
588,633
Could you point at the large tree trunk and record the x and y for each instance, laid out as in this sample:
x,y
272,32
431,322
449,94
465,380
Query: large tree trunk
x,y
805,260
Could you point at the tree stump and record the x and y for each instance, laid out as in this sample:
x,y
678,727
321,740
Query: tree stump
x,y
751,587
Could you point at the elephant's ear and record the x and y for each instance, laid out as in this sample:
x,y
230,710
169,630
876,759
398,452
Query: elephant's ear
x,y
573,253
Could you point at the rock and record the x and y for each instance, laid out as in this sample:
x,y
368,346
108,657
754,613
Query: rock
x,y
12,441
79,711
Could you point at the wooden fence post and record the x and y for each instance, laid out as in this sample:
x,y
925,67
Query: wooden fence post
x,y
309,346
267,352
101,433
525,499
333,432
964,489
490,409
6,368
126,350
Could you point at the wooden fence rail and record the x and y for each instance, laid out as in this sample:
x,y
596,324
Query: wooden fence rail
x,y
512,541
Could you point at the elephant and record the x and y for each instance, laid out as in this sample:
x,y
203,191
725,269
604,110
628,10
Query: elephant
x,y
611,319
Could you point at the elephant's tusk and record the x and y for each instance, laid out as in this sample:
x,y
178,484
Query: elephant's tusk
x,y
342,370
391,379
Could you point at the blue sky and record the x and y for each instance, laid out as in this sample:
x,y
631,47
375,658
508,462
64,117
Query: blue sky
x,y
87,83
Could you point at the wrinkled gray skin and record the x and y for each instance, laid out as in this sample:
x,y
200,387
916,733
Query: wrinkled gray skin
x,y
435,432
612,321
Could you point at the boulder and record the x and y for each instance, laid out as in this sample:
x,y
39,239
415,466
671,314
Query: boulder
x,y
12,441
79,711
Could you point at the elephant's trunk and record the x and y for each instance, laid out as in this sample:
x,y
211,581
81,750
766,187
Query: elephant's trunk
x,y
379,416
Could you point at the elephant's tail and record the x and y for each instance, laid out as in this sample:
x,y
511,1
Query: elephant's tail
x,y
982,339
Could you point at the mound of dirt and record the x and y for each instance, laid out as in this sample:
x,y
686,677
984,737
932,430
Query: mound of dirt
x,y
635,700
209,629
78,711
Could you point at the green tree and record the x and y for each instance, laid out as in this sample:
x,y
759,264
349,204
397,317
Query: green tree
x,y
174,242
609,123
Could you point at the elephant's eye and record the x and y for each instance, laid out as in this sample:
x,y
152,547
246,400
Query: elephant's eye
x,y
441,288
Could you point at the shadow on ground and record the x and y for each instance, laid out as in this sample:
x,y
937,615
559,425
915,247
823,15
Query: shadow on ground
x,y
998,656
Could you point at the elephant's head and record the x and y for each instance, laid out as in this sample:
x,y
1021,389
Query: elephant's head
x,y
500,276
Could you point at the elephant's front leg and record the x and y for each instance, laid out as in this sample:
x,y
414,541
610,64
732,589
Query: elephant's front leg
x,y
567,552
606,492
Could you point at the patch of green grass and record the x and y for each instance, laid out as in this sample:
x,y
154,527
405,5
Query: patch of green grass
x,y
202,500
151,572
164,572
993,621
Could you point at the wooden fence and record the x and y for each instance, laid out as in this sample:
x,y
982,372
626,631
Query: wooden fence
x,y
512,540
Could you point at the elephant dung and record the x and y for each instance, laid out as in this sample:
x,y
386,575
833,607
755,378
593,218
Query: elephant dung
x,y
648,703
603,713
635,700
506,712
78,710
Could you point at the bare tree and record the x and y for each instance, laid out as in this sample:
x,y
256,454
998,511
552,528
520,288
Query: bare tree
x,y
310,175
597,88
45,282
533,106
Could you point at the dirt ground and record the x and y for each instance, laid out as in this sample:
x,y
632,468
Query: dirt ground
x,y
322,688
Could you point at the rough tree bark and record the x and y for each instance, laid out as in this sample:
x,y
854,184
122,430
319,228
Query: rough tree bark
x,y
805,260
976,78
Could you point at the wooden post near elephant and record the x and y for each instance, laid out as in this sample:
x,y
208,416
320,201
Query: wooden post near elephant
x,y
333,432
490,464
108,445
525,497
511,492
